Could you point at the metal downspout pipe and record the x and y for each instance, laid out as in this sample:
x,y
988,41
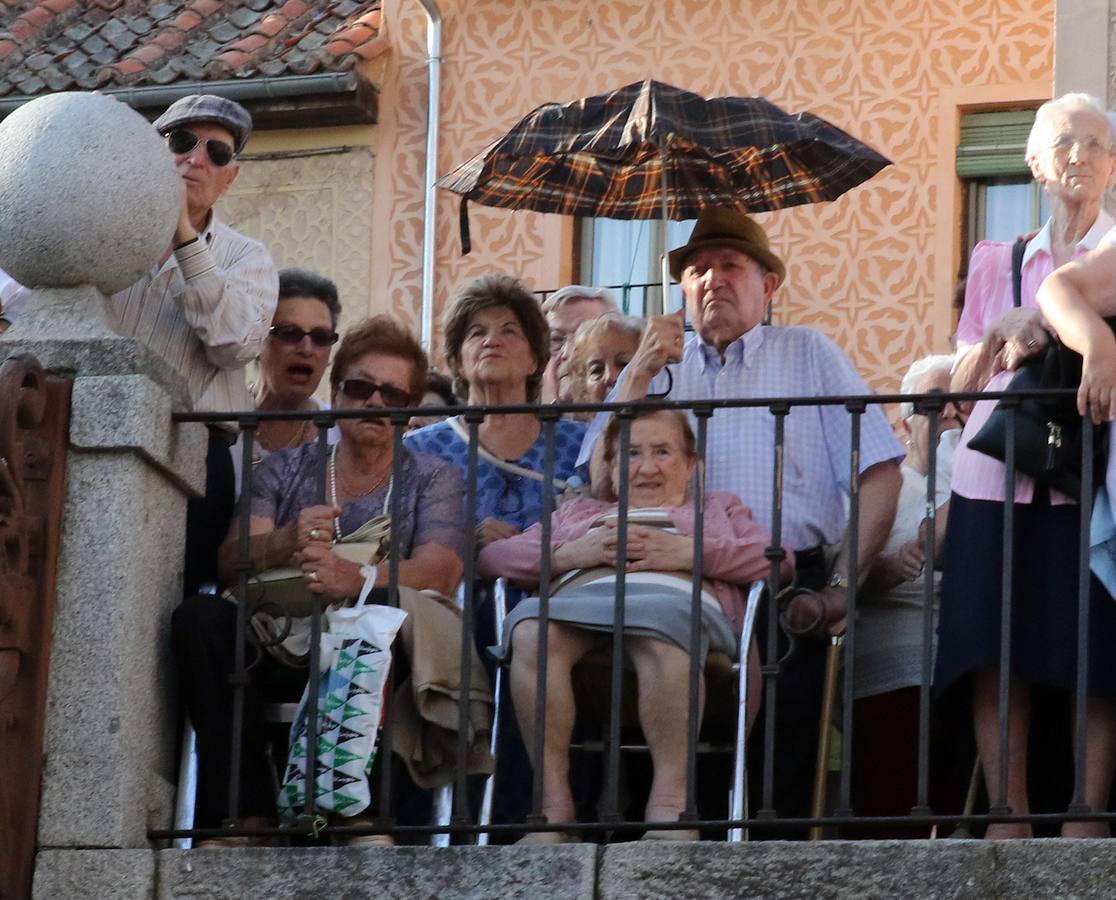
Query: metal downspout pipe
x,y
434,82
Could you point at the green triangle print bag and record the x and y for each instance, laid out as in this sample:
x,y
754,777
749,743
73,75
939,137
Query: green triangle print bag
x,y
355,660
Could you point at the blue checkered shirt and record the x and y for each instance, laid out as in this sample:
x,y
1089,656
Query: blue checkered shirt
x,y
774,361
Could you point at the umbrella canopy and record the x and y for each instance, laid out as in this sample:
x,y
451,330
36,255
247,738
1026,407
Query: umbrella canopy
x,y
611,155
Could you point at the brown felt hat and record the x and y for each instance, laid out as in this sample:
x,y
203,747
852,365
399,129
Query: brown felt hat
x,y
721,226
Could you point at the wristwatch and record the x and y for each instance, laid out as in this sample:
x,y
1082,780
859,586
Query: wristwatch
x,y
837,580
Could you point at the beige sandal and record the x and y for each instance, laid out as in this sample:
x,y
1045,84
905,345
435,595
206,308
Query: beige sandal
x,y
672,834
545,838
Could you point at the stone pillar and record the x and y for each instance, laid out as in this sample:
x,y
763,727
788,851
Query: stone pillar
x,y
108,199
110,731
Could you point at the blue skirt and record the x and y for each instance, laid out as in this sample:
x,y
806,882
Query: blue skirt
x,y
1044,598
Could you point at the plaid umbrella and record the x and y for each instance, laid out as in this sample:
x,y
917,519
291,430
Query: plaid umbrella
x,y
650,150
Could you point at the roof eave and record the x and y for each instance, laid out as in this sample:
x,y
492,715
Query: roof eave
x,y
287,101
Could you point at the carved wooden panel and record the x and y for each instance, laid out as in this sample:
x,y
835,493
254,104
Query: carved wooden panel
x,y
863,269
34,417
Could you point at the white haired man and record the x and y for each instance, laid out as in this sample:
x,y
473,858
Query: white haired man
x,y
565,310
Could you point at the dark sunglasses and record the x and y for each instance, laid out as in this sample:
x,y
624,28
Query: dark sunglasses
x,y
182,141
360,389
293,335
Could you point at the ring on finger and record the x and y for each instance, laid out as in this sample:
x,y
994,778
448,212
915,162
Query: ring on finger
x,y
315,534
312,575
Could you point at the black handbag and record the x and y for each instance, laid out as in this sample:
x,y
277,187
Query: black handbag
x,y
1047,430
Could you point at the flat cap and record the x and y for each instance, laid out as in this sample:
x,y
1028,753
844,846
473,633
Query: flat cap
x,y
208,108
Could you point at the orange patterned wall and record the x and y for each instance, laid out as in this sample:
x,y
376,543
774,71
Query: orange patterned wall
x,y
874,269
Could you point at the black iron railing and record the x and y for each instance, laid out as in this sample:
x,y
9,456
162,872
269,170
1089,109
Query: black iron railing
x,y
463,823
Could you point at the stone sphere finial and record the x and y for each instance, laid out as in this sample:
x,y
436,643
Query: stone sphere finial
x,y
90,193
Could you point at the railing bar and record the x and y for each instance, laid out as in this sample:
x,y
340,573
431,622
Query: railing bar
x,y
384,817
549,425
612,797
771,660
624,826
647,404
1084,584
461,794
922,800
1007,589
315,676
852,541
239,678
693,710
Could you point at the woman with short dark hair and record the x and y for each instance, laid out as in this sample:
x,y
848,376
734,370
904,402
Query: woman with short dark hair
x,y
497,348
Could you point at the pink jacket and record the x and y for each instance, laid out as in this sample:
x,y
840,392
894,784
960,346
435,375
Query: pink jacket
x,y
733,555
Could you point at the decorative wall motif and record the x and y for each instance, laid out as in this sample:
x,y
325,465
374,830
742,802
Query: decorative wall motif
x,y
862,269
313,211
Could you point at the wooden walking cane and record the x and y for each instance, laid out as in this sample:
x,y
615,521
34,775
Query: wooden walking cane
x,y
829,694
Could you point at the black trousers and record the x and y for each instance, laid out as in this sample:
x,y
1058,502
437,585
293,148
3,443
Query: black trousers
x,y
798,706
208,518
202,632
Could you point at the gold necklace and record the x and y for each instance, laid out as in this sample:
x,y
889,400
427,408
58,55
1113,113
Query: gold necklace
x,y
295,440
346,488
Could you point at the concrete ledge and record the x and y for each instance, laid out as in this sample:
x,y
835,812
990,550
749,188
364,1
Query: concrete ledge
x,y
1069,869
94,875
777,869
381,873
1035,870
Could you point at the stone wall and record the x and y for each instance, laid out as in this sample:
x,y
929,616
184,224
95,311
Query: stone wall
x,y
867,870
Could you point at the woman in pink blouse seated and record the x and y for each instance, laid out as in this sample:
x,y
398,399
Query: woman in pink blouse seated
x,y
658,592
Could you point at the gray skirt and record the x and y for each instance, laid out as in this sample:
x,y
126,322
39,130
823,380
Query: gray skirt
x,y
650,610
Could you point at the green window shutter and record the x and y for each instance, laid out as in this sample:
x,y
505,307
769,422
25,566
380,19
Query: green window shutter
x,y
993,144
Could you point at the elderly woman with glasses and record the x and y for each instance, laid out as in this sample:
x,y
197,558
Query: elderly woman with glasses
x,y
292,362
417,499
659,563
497,347
1070,153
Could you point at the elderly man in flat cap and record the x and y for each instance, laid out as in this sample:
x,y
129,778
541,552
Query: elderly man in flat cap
x,y
729,274
208,307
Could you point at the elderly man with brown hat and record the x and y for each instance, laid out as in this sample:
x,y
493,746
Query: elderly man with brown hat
x,y
729,274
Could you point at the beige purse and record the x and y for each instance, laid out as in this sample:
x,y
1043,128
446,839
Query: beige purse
x,y
283,590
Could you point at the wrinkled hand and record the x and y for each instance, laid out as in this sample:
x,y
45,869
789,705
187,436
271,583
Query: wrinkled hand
x,y
184,230
491,529
1018,335
597,548
1097,392
909,561
655,550
660,344
315,526
328,574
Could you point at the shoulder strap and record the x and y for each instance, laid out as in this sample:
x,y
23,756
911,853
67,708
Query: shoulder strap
x,y
1017,251
460,430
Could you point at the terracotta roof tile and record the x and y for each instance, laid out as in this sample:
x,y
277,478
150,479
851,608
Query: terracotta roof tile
x,y
86,44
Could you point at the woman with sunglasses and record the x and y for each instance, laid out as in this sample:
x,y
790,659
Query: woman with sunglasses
x,y
497,347
292,362
378,364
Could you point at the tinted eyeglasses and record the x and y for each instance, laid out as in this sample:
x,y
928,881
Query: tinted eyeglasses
x,y
360,389
293,335
183,141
